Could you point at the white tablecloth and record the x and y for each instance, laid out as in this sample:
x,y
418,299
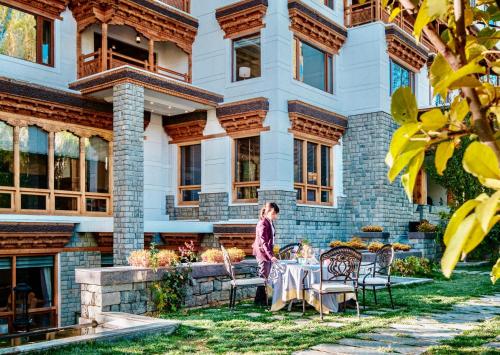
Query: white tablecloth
x,y
286,280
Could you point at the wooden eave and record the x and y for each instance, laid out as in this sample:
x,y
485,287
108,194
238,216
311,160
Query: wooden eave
x,y
105,240
242,18
185,127
153,19
404,49
313,122
39,102
244,116
47,8
21,236
313,27
127,74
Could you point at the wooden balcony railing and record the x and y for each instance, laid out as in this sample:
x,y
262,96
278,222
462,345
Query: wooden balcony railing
x,y
90,63
183,5
372,11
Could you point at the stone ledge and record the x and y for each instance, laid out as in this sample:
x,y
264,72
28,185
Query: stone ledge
x,y
129,274
421,235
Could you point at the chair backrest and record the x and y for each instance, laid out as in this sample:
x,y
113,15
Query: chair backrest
x,y
288,251
227,263
343,264
383,260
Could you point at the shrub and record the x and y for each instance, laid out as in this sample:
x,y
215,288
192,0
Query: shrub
x,y
413,266
139,258
215,255
355,243
276,249
426,227
370,228
188,252
373,247
337,243
401,247
167,258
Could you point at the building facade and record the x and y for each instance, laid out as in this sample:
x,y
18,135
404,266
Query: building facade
x,y
124,122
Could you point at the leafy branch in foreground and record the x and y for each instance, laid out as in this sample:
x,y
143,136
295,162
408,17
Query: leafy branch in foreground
x,y
467,57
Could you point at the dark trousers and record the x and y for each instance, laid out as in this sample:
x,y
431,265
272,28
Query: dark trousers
x,y
263,271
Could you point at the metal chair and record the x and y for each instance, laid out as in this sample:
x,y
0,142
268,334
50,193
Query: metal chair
x,y
379,273
288,251
235,283
338,276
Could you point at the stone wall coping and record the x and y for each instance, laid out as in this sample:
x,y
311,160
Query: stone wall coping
x,y
421,235
117,275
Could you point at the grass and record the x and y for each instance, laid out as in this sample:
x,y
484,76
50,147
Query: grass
x,y
216,330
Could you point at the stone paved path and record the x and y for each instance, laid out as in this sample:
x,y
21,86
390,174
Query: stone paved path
x,y
416,335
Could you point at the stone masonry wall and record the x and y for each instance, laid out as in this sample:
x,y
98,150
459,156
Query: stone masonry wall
x,y
129,289
426,244
128,170
214,207
181,213
69,261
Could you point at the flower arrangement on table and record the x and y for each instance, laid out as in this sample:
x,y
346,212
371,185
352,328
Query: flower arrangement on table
x,y
306,253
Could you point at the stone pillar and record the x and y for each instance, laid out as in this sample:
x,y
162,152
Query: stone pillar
x,y
371,198
128,174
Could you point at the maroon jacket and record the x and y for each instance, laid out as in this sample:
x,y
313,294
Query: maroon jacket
x,y
263,244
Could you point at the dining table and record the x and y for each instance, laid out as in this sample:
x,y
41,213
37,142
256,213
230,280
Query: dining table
x,y
289,278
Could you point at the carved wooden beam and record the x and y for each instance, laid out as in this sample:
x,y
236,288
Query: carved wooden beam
x,y
243,116
313,27
185,127
316,123
15,236
242,18
404,49
48,8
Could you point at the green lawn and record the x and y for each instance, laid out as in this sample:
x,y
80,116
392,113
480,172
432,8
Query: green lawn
x,y
216,330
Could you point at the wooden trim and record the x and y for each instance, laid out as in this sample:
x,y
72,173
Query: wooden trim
x,y
243,117
312,26
181,188
403,49
328,69
235,184
48,8
241,18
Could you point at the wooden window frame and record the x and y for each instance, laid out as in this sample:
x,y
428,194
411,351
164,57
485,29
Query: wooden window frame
x,y
236,184
325,2
181,188
411,75
50,192
55,289
328,68
39,36
233,56
304,186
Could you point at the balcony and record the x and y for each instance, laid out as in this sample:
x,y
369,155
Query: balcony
x,y
92,63
371,11
183,5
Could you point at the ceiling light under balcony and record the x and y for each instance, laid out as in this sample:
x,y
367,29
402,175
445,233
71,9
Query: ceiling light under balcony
x,y
138,38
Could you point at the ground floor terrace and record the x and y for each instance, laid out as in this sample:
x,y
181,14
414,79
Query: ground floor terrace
x,y
456,316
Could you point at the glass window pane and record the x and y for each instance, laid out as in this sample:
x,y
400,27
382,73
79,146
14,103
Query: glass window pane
x,y
330,74
400,77
325,196
247,159
311,195
33,202
191,165
34,159
246,58
313,66
46,41
312,164
299,194
246,193
191,195
325,166
298,161
96,165
65,203
5,201
5,285
66,161
95,205
40,279
6,154
17,34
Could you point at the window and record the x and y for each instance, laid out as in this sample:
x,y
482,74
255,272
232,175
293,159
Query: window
x,y
246,58
49,175
329,3
401,76
26,36
190,173
313,172
313,66
246,169
38,273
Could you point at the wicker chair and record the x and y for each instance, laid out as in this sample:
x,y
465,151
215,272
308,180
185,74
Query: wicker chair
x,y
235,283
379,273
338,276
288,251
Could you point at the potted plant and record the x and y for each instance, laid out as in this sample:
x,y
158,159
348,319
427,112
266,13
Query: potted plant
x,y
370,233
